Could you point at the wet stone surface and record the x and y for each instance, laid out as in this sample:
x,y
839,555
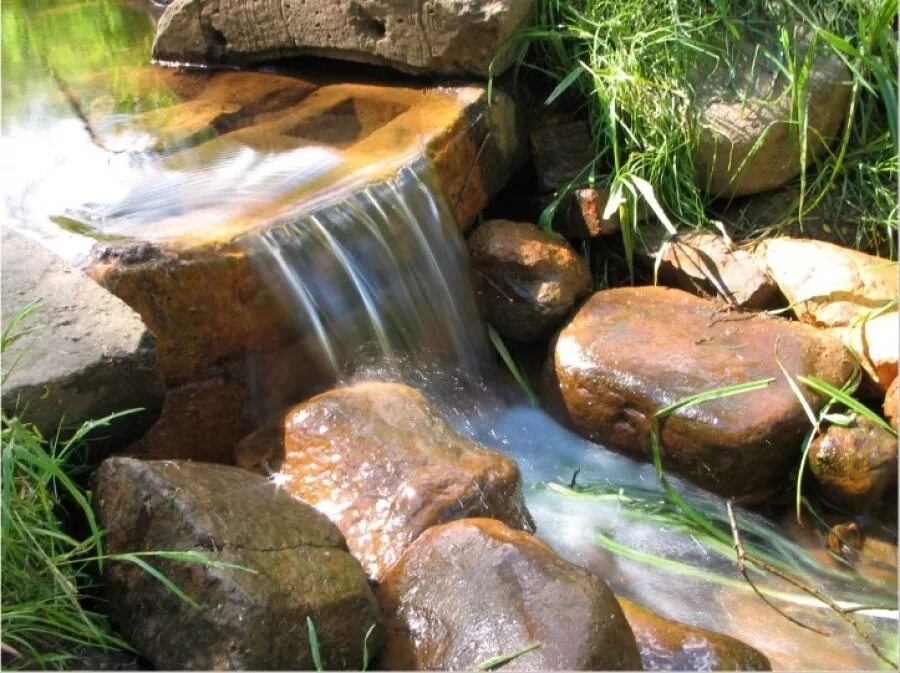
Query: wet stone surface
x,y
383,465
474,589
629,352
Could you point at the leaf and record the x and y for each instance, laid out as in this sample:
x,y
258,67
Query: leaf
x,y
314,644
646,190
513,368
826,388
564,84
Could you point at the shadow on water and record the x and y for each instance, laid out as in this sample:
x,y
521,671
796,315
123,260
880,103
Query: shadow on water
x,y
98,144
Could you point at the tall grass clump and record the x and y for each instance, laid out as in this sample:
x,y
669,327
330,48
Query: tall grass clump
x,y
631,67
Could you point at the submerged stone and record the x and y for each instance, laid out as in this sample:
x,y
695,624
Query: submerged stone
x,y
449,37
669,645
629,352
854,465
529,278
293,563
85,355
383,465
474,589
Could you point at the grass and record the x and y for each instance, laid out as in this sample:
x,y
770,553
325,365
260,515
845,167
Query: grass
x,y
630,67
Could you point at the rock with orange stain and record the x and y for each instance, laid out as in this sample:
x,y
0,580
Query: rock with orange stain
x,y
470,590
384,466
630,352
530,280
668,645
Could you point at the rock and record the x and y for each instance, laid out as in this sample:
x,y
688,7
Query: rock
x,y
875,342
854,465
629,352
245,620
530,279
706,264
828,285
580,214
384,466
474,589
449,37
561,150
668,645
87,355
747,141
891,402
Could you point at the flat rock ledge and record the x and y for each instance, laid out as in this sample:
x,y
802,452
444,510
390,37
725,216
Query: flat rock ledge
x,y
294,565
629,352
87,354
447,37
384,466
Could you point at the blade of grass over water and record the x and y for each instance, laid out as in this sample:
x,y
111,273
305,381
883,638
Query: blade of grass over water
x,y
510,363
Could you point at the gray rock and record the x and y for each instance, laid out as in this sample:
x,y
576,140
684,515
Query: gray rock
x,y
747,142
298,567
88,354
450,37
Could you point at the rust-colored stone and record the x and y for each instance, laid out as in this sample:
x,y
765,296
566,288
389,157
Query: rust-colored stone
x,y
529,278
668,645
384,466
854,465
891,402
632,351
474,589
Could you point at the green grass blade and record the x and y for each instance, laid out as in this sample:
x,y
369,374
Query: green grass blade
x,y
829,390
512,366
502,659
314,644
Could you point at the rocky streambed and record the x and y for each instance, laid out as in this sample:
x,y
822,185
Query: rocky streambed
x,y
269,263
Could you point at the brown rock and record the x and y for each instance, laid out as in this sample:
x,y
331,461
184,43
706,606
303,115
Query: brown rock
x,y
891,402
530,279
295,565
629,352
580,214
667,645
561,150
474,589
706,264
382,464
451,37
828,285
748,143
854,465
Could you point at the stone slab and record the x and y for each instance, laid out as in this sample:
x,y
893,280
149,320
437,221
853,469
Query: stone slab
x,y
87,355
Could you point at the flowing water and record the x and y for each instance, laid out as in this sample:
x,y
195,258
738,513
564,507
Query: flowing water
x,y
374,274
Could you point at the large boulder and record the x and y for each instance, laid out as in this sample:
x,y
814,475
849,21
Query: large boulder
x,y
854,464
748,138
449,37
668,645
629,352
530,279
86,354
384,466
470,590
294,565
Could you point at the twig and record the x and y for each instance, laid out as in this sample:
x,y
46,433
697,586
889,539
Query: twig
x,y
742,567
815,593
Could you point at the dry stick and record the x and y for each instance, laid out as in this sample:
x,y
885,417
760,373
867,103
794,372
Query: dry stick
x,y
79,111
743,556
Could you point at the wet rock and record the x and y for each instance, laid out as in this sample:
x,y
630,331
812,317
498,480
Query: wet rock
x,y
474,589
449,37
747,142
854,465
706,264
668,645
298,565
629,352
828,285
891,402
87,354
384,466
530,279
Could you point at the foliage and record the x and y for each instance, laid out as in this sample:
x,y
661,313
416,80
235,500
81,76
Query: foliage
x,y
631,67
